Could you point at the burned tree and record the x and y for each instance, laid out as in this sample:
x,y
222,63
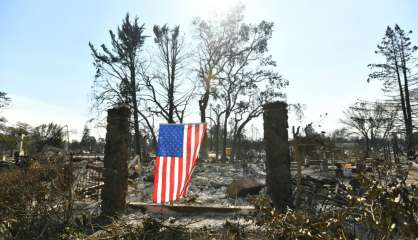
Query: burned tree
x,y
116,79
210,53
247,77
396,74
163,86
47,135
88,142
373,121
278,178
218,111
251,106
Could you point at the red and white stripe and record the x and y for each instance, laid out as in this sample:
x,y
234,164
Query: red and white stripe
x,y
173,174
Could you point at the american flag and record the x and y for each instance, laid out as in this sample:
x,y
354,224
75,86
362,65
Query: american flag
x,y
177,151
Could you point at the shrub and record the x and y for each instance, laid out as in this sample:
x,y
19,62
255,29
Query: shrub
x,y
33,202
382,208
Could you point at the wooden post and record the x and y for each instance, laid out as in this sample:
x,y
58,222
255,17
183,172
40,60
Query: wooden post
x,y
116,161
278,178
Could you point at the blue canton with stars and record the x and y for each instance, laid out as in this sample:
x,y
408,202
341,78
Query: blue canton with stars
x,y
170,140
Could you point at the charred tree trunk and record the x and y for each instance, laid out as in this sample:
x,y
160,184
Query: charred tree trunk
x,y
225,136
405,104
171,104
203,104
234,146
150,128
116,161
409,126
218,126
238,140
137,134
278,178
366,138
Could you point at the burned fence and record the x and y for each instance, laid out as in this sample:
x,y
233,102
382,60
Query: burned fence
x,y
89,180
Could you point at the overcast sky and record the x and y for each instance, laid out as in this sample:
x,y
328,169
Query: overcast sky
x,y
322,47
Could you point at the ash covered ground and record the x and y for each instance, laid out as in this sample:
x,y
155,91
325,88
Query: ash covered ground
x,y
209,184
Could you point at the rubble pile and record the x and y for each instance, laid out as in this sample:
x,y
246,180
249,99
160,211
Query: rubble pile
x,y
209,185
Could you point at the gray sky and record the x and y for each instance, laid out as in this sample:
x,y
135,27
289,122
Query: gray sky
x,y
322,47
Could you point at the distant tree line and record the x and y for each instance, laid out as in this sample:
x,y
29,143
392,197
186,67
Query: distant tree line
x,y
41,138
88,144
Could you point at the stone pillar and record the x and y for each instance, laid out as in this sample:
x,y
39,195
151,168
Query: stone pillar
x,y
116,161
278,178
